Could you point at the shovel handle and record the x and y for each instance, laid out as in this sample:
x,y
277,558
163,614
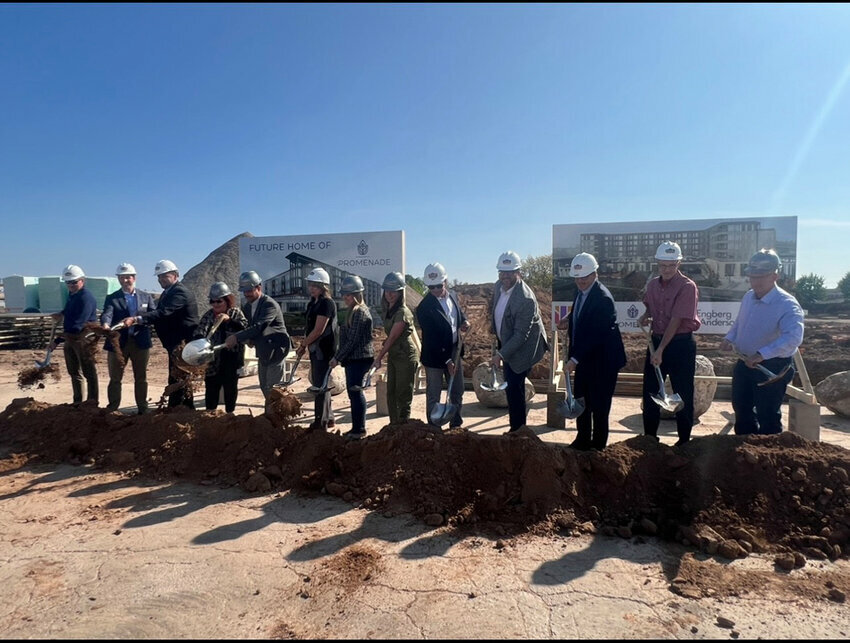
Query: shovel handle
x,y
214,327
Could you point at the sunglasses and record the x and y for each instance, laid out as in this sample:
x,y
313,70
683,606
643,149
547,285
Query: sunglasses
x,y
437,287
216,301
75,281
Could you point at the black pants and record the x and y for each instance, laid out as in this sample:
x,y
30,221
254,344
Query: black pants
x,y
225,378
515,394
758,408
679,362
182,395
598,392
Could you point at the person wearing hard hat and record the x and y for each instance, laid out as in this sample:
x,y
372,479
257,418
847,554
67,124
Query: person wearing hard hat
x,y
175,319
442,321
80,309
355,351
222,373
671,301
134,342
520,331
399,347
768,331
266,331
596,352
321,341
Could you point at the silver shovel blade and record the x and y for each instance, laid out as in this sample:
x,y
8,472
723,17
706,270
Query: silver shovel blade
x,y
46,361
672,403
571,408
442,413
197,352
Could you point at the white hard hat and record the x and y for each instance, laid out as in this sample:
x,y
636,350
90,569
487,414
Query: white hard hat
x,y
125,269
320,276
668,251
435,274
583,264
163,266
72,273
509,261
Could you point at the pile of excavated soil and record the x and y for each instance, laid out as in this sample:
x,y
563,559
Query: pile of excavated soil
x,y
722,494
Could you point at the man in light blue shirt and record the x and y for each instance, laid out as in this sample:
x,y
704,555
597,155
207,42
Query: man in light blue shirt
x,y
768,331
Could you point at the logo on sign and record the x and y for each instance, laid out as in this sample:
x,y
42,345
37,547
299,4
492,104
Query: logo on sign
x,y
362,248
632,311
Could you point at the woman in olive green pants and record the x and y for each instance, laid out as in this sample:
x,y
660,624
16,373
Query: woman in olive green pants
x,y
399,347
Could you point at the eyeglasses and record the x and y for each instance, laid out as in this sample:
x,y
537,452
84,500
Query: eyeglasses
x,y
216,301
437,287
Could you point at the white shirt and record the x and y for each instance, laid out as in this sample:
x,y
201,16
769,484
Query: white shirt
x,y
501,304
449,308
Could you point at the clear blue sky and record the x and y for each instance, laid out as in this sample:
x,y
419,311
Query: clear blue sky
x,y
143,132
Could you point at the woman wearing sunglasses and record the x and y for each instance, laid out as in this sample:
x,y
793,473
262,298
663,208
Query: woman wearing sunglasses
x,y
222,371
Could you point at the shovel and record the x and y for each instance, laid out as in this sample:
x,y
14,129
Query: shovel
x,y
200,351
46,362
291,379
494,384
442,413
771,376
318,390
571,407
367,381
673,403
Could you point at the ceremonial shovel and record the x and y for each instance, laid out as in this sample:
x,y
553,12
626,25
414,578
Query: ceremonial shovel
x,y
571,407
46,362
442,413
200,351
771,376
672,403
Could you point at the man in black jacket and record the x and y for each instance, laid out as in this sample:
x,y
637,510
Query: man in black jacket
x,y
596,352
175,319
266,331
441,320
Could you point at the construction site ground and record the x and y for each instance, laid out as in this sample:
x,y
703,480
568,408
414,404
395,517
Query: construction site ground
x,y
120,526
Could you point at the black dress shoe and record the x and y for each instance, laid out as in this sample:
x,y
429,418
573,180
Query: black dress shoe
x,y
580,446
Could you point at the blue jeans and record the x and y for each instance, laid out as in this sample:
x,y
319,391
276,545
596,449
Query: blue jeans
x,y
758,408
355,370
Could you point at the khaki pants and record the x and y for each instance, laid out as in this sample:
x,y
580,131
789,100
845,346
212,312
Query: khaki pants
x,y
139,358
80,366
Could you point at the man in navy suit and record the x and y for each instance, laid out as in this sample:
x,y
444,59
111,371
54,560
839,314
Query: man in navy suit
x,y
175,319
135,342
442,321
596,352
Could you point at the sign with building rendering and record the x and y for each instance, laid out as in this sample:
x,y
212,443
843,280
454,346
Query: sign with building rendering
x,y
715,251
283,263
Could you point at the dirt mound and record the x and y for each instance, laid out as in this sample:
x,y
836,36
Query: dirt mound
x,y
723,494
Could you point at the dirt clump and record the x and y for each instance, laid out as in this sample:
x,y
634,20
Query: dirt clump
x,y
723,495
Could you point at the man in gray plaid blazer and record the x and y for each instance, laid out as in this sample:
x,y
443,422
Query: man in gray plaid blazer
x,y
521,334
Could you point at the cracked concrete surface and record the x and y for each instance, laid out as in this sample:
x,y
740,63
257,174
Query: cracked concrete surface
x,y
93,555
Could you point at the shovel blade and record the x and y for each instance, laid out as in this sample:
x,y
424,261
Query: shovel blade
x,y
571,408
442,413
672,403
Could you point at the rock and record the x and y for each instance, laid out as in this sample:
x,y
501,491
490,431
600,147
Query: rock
x,y
837,595
785,561
434,520
704,390
494,399
731,550
725,622
799,559
798,474
648,526
258,482
336,382
834,393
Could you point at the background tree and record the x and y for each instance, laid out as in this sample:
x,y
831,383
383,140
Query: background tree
x,y
538,272
844,286
808,289
416,283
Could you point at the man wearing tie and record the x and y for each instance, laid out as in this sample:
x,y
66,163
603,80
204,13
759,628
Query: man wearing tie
x,y
135,341
596,352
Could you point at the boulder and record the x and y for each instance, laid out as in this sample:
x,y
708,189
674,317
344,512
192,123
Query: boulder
x,y
704,390
494,399
834,393
336,382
